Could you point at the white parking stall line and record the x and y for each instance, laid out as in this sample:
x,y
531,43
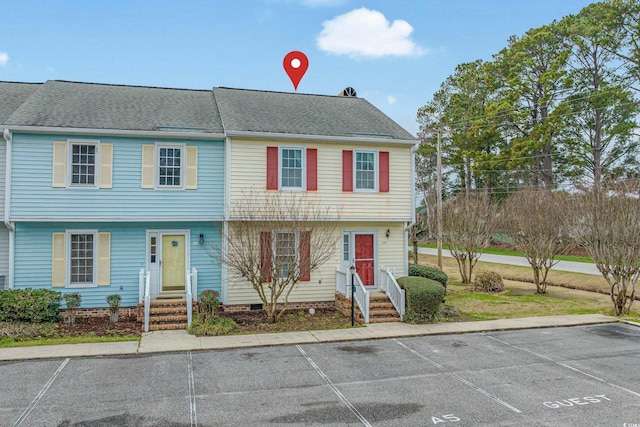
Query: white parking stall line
x,y
192,391
334,388
459,378
46,387
566,366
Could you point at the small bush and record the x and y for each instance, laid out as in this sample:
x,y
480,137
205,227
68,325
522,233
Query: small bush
x,y
114,307
73,301
208,304
203,326
29,305
488,281
423,299
18,331
430,273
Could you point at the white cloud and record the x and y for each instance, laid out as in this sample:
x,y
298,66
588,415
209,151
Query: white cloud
x,y
364,33
391,99
4,58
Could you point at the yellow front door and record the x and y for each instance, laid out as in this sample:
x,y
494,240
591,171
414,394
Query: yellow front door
x,y
173,262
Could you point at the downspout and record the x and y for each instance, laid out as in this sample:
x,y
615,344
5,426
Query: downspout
x,y
8,138
227,215
414,148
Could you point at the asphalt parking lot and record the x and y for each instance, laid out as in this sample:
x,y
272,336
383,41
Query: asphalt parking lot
x,y
588,375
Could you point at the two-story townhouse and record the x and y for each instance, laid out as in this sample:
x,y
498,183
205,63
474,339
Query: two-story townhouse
x,y
108,181
341,151
13,94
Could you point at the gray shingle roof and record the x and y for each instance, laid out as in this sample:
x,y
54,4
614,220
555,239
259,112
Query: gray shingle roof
x,y
103,106
12,95
246,110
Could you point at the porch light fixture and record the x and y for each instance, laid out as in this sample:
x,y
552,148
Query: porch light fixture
x,y
352,270
388,233
201,238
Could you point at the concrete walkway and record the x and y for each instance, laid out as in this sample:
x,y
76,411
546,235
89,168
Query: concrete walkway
x,y
172,341
571,266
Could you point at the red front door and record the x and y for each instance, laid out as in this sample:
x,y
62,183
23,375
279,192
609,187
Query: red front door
x,y
364,259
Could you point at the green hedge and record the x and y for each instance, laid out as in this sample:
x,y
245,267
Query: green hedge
x,y
430,273
423,299
30,305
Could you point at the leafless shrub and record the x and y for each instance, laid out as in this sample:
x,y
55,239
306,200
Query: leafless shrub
x,y
488,281
274,241
607,224
467,224
532,218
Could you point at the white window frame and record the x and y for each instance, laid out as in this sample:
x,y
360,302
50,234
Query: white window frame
x,y
296,249
94,282
303,183
183,157
96,166
376,171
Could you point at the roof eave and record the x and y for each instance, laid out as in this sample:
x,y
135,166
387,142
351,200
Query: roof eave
x,y
357,139
115,132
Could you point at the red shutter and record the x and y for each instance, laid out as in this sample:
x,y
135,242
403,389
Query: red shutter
x,y
383,159
272,168
312,169
347,170
305,255
265,255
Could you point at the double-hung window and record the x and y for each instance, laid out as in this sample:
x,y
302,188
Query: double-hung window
x,y
365,167
170,166
285,252
291,168
82,258
83,164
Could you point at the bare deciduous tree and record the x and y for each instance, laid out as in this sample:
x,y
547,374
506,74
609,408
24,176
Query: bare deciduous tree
x,y
607,225
467,224
532,218
276,240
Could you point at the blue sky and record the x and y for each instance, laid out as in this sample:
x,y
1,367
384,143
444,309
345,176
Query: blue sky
x,y
395,53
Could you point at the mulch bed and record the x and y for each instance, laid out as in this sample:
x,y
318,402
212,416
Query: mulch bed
x,y
101,327
291,320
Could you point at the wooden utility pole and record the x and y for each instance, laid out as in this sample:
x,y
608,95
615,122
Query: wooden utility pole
x,y
439,201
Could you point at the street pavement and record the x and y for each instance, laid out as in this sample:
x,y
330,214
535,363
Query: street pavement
x,y
570,266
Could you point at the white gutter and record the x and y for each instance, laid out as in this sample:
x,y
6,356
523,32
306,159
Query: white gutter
x,y
413,181
116,132
227,215
8,137
355,139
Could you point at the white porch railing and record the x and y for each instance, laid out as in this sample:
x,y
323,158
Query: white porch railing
x,y
390,286
343,286
191,292
147,300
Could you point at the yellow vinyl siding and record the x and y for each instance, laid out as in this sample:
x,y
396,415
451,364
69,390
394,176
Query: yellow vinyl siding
x,y
58,261
59,170
248,169
322,286
191,172
106,165
104,259
148,166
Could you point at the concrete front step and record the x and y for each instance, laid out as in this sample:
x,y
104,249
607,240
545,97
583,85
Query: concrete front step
x,y
167,326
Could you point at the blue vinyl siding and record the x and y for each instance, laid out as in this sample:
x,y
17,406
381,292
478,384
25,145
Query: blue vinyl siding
x,y
128,251
33,197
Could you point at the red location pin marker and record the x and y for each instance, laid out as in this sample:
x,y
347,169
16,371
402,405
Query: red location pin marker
x,y
295,63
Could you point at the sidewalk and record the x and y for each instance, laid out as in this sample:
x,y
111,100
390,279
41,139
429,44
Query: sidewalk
x,y
571,266
172,341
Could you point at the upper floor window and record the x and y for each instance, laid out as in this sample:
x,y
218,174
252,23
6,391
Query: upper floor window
x,y
291,168
170,169
365,170
83,164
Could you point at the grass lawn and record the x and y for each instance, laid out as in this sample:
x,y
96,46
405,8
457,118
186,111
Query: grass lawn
x,y
88,338
520,298
497,251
